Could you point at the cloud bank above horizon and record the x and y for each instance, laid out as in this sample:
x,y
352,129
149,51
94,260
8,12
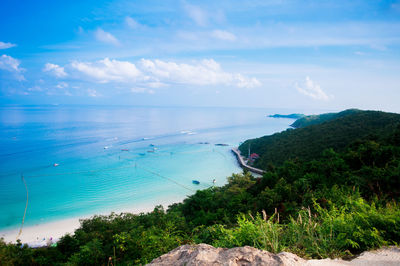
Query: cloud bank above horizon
x,y
149,72
336,53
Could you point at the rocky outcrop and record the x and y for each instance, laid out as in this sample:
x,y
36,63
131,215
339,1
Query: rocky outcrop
x,y
203,254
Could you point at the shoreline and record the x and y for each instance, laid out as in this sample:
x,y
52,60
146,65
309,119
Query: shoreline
x,y
242,163
39,235
47,233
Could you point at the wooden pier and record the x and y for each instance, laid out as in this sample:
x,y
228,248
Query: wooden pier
x,y
244,165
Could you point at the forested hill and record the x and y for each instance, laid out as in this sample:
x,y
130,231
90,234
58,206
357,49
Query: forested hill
x,y
309,142
340,204
318,119
293,116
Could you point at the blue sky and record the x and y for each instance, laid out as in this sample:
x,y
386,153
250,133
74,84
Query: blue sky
x,y
287,54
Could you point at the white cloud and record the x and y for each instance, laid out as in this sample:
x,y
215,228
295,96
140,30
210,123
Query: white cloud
x,y
245,82
375,35
133,24
142,90
92,93
105,37
156,84
11,64
313,90
59,89
206,72
55,70
35,89
107,70
198,15
157,73
223,35
62,85
6,45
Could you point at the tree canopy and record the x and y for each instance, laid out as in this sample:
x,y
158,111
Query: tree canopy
x,y
341,201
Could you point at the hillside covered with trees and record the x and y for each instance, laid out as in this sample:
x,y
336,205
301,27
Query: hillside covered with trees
x,y
339,201
318,119
318,133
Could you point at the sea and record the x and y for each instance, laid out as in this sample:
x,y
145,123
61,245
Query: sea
x,y
58,162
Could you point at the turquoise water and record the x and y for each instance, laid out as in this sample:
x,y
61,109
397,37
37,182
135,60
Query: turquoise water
x,y
115,158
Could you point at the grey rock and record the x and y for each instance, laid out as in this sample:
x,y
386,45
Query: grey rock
x,y
203,254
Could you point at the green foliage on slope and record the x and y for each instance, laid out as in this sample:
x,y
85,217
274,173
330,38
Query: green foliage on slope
x,y
309,142
318,119
341,203
292,116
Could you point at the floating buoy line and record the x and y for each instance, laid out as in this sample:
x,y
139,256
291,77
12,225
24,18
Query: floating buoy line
x,y
135,165
26,207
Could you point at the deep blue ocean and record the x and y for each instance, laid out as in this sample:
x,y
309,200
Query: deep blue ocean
x,y
79,161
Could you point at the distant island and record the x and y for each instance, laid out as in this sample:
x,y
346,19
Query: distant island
x,y
292,116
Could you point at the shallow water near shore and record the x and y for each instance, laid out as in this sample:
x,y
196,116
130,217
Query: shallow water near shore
x,y
79,161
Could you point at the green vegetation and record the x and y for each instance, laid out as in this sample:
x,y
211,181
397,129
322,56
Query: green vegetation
x,y
307,143
339,203
318,119
292,116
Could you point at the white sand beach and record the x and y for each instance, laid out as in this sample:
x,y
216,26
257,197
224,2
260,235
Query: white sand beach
x,y
50,232
42,234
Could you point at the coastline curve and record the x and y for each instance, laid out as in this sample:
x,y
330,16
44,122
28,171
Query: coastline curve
x,y
243,164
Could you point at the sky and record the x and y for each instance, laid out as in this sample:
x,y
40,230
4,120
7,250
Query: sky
x,y
323,54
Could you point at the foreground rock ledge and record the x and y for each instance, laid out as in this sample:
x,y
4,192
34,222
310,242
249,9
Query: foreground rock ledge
x,y
204,254
208,255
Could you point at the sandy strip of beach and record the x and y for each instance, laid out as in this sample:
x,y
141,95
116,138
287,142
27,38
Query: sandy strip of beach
x,y
50,232
42,234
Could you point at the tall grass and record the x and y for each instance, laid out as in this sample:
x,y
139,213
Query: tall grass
x,y
334,232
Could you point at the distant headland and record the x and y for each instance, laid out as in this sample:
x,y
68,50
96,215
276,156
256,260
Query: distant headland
x,y
292,116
